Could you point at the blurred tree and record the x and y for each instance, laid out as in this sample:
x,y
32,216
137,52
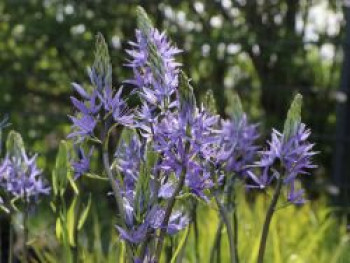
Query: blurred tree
x,y
264,49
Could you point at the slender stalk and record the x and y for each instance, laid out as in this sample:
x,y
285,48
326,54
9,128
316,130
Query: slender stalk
x,y
0,241
25,230
76,236
235,232
268,218
115,187
196,232
216,242
231,199
168,211
227,223
10,251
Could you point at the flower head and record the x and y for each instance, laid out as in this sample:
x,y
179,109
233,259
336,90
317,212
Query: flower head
x,y
20,177
153,64
289,154
82,165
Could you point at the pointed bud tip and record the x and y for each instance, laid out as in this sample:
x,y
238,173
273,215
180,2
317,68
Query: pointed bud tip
x,y
14,143
237,106
209,102
144,23
293,116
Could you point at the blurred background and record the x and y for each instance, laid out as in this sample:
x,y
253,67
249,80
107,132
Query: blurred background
x,y
265,50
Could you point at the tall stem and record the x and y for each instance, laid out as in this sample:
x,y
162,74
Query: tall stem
x,y
235,232
195,229
227,223
25,230
216,242
10,252
115,187
268,218
168,211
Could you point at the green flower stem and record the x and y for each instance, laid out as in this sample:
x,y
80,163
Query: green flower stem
x,y
167,215
227,223
268,218
10,251
114,185
216,242
25,229
235,232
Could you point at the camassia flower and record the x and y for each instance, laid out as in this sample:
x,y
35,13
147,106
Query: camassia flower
x,y
100,102
289,154
187,140
21,178
154,66
142,215
82,165
238,144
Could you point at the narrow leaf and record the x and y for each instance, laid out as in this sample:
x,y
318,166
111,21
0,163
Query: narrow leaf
x,y
84,214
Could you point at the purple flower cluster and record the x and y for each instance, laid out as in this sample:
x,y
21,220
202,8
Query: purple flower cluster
x,y
21,178
238,144
95,106
82,165
154,67
293,156
137,198
188,144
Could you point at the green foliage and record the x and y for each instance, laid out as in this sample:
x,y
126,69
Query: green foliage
x,y
61,173
69,216
298,234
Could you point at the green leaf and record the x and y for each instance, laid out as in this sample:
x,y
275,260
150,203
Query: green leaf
x,y
84,214
293,117
180,246
71,221
5,209
60,173
95,176
58,228
73,185
53,207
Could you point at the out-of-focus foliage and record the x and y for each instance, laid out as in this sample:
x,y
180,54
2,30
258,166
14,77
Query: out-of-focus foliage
x,y
264,50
